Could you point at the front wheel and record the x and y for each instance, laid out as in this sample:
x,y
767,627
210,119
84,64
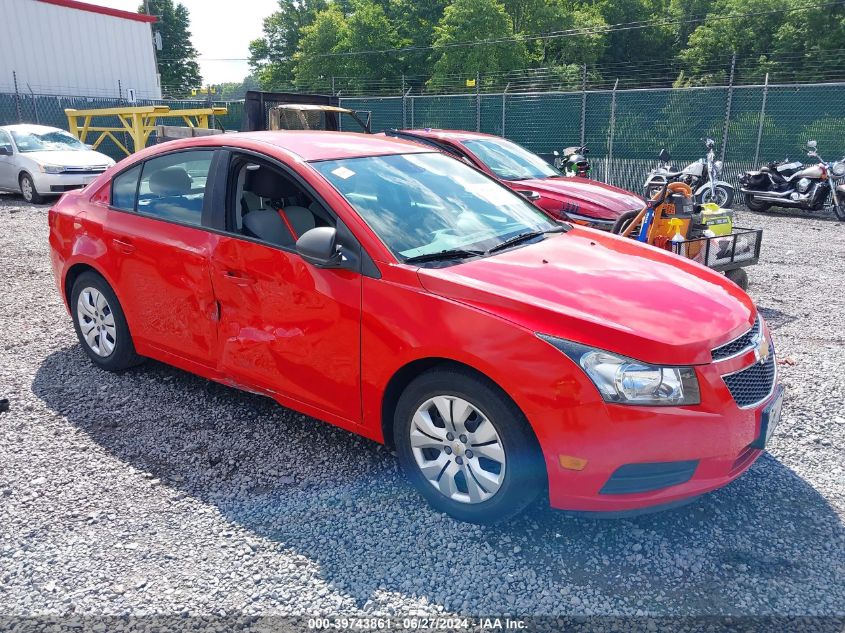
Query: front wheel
x,y
722,196
466,447
839,206
756,205
28,190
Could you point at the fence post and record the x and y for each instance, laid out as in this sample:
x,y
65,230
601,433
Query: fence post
x,y
583,104
760,127
611,132
405,96
413,125
404,114
34,102
504,98
477,101
333,93
728,107
17,96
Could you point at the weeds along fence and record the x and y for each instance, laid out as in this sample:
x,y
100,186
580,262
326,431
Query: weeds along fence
x,y
624,129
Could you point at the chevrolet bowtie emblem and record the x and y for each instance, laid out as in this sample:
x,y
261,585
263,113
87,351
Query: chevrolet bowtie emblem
x,y
762,352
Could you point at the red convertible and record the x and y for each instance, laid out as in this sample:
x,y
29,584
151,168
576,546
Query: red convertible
x,y
401,294
580,200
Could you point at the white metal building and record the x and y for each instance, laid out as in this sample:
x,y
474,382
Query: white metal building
x,y
66,47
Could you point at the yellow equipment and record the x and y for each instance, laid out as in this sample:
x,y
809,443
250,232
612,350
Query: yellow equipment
x,y
138,122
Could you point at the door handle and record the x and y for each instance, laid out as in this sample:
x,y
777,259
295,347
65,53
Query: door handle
x,y
239,279
124,246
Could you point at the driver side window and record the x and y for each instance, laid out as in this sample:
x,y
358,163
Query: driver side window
x,y
6,141
268,205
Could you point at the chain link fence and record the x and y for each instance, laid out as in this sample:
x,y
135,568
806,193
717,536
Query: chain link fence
x,y
624,129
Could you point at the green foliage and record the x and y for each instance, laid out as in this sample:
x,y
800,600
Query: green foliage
x,y
271,56
688,42
235,90
177,63
474,20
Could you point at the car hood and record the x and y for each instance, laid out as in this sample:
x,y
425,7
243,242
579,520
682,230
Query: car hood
x,y
604,201
70,158
604,291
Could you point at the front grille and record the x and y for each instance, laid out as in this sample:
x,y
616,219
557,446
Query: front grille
x,y
84,170
739,344
753,384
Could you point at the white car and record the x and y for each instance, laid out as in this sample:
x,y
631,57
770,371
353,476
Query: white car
x,y
40,161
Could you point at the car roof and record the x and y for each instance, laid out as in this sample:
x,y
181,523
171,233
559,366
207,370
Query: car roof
x,y
455,135
31,128
324,145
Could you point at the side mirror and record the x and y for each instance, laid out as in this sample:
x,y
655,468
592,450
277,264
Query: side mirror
x,y
5,151
319,247
812,144
528,194
555,153
664,155
710,143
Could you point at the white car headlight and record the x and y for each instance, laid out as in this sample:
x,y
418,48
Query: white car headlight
x,y
622,380
52,169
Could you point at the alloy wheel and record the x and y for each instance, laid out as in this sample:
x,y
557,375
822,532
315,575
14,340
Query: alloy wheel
x,y
457,449
96,321
27,189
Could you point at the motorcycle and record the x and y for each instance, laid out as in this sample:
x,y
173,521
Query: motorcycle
x,y
702,176
795,185
574,161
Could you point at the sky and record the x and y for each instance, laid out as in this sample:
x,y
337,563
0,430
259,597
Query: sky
x,y
220,34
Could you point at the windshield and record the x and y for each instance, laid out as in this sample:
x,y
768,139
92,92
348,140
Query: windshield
x,y
509,161
421,204
53,141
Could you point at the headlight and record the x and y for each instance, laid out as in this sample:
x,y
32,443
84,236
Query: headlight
x,y
717,166
52,169
624,380
838,168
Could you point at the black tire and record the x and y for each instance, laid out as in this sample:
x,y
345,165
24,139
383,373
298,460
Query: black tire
x,y
29,193
756,205
729,196
524,473
623,221
738,276
123,356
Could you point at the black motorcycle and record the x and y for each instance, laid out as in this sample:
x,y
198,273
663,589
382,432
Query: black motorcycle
x,y
702,176
795,185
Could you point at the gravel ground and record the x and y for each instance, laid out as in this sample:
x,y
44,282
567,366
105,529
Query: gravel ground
x,y
156,492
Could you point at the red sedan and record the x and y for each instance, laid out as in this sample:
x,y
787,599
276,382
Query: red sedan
x,y
581,200
403,295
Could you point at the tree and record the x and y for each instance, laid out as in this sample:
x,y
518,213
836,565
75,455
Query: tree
x,y
235,90
471,20
177,63
369,29
313,63
271,57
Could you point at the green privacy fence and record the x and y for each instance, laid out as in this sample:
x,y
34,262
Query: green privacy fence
x,y
624,129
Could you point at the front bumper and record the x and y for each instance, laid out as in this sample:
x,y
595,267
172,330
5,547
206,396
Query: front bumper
x,y
636,457
56,184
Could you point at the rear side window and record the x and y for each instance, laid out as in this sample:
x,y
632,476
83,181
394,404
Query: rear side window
x,y
124,188
172,187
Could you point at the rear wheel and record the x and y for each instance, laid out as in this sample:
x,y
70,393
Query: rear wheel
x,y
100,323
28,190
756,205
466,447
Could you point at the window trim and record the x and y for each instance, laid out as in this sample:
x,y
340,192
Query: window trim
x,y
214,150
364,263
